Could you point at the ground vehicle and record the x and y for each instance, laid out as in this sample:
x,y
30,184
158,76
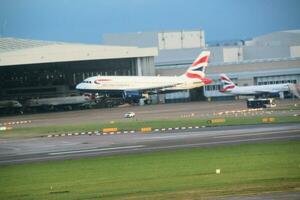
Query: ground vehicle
x,y
261,103
11,107
59,103
129,115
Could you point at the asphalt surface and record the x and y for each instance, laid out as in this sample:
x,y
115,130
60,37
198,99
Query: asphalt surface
x,y
74,147
61,148
148,112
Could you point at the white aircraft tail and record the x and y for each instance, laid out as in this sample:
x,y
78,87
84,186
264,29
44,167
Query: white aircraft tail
x,y
227,84
295,89
197,69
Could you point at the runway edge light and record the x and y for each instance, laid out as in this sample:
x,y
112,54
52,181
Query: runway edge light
x,y
218,171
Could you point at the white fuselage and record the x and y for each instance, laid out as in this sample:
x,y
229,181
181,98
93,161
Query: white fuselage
x,y
193,77
259,89
141,83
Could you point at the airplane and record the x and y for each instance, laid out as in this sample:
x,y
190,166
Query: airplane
x,y
255,90
135,86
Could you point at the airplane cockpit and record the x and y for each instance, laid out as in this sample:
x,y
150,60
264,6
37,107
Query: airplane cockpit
x,y
86,81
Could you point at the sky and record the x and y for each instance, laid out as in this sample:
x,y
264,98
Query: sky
x,y
85,21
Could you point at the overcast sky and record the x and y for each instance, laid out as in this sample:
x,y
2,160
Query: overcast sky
x,y
86,20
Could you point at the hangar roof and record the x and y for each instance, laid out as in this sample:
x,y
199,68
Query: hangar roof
x,y
21,51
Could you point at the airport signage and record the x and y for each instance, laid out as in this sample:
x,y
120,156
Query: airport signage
x,y
106,130
146,129
214,121
268,119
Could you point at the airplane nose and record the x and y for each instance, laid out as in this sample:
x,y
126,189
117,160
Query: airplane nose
x,y
79,86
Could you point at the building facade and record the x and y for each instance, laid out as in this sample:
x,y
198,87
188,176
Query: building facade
x,y
34,69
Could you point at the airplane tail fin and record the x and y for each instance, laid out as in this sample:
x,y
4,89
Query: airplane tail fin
x,y
197,69
227,84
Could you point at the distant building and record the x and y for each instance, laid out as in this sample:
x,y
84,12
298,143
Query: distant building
x,y
268,59
162,40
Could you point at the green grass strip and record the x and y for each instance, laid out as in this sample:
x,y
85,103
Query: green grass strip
x,y
180,174
134,124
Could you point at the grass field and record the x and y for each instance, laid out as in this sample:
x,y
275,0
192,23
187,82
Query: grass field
x,y
137,125
181,174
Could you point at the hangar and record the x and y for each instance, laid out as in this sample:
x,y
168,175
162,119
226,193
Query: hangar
x,y
34,69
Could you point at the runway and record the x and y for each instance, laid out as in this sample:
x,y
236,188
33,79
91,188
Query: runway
x,y
62,148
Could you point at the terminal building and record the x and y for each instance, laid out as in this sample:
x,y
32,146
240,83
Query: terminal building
x,y
268,59
36,69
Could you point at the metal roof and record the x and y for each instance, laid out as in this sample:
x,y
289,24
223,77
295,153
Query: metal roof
x,y
12,44
20,51
297,31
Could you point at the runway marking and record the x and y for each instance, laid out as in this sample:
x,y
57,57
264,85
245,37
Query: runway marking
x,y
165,137
211,133
95,150
253,134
